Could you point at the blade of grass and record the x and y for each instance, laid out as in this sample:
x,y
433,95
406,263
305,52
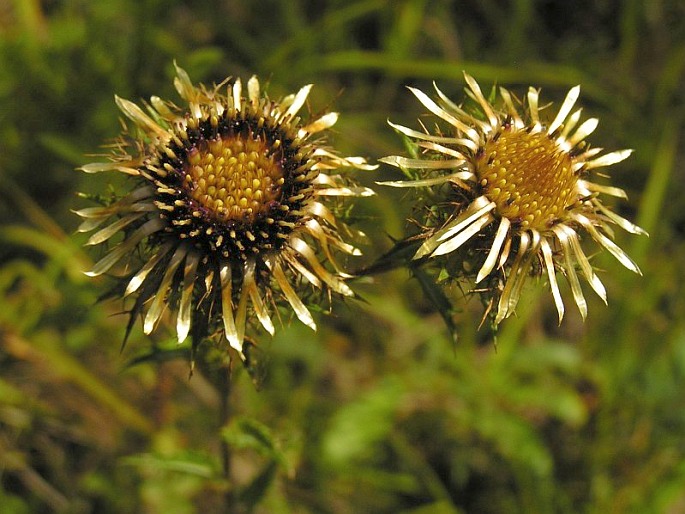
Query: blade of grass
x,y
537,73
657,184
64,253
50,357
407,28
667,88
331,22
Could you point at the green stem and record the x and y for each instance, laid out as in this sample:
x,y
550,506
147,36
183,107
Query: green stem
x,y
224,416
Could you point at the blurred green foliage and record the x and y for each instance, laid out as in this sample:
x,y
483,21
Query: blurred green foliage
x,y
379,411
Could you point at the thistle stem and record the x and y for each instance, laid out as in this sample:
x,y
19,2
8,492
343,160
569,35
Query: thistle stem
x,y
224,385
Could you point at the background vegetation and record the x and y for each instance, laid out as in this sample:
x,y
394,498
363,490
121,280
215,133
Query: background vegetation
x,y
379,411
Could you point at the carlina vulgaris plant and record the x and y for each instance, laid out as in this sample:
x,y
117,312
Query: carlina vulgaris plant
x,y
232,212
507,192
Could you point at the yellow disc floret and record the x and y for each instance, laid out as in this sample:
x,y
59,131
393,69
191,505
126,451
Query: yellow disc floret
x,y
234,178
528,176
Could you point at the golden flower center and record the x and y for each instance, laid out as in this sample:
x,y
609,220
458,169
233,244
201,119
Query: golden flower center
x,y
528,176
234,178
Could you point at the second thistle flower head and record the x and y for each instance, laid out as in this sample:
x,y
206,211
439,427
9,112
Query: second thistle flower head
x,y
520,195
230,209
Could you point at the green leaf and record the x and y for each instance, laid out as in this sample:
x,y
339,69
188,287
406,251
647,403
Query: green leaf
x,y
438,507
189,464
249,434
358,427
255,491
436,294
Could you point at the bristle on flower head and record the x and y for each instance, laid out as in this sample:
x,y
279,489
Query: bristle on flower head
x,y
229,209
519,194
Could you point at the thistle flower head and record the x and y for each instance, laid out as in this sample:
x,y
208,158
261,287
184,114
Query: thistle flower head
x,y
520,192
229,210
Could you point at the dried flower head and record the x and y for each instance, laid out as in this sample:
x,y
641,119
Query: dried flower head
x,y
229,210
519,193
